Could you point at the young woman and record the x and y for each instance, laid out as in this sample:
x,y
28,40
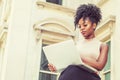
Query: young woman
x,y
92,51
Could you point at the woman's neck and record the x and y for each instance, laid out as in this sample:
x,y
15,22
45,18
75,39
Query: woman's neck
x,y
90,37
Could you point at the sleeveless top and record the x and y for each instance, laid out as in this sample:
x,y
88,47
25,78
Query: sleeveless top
x,y
89,48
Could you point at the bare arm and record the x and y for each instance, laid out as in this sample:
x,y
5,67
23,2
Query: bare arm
x,y
102,59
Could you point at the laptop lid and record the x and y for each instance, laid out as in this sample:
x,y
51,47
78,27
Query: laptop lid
x,y
62,54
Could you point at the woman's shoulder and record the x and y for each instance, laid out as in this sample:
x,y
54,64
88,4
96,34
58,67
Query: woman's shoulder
x,y
104,46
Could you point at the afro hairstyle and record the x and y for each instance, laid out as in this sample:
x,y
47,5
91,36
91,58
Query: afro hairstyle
x,y
90,11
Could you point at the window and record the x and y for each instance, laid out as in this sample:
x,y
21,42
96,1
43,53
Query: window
x,y
51,33
55,1
106,70
44,73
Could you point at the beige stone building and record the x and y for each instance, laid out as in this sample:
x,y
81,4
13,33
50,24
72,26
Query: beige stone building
x,y
28,25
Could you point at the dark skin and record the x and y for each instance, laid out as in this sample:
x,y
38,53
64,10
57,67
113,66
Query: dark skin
x,y
87,29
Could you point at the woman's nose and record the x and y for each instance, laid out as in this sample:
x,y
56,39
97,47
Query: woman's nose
x,y
82,28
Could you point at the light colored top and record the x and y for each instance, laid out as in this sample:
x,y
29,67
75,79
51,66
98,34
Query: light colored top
x,y
89,48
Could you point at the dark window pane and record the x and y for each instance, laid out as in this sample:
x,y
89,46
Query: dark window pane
x,y
43,76
107,76
107,66
55,1
44,62
44,66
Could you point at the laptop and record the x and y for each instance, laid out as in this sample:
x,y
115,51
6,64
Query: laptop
x,y
63,54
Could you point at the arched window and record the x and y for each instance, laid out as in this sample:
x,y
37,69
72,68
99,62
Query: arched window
x,y
52,31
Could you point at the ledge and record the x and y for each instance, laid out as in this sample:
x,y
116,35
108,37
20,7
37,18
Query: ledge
x,y
101,2
41,4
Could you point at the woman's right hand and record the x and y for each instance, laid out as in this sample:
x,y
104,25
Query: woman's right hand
x,y
52,67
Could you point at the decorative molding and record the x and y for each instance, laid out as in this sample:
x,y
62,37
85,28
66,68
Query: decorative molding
x,y
3,34
101,2
6,10
52,31
105,29
60,22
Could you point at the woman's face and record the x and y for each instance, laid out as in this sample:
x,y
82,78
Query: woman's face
x,y
87,28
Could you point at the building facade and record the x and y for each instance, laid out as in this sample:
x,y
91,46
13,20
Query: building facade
x,y
28,25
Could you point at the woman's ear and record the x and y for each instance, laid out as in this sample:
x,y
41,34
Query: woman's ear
x,y
94,26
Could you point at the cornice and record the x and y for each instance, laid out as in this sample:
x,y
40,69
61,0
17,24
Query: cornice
x,y
54,33
105,29
41,4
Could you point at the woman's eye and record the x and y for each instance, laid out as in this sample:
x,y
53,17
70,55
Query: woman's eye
x,y
85,25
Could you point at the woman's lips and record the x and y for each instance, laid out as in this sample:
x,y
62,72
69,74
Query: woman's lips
x,y
83,32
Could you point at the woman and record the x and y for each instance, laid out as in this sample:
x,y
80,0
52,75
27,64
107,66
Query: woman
x,y
92,52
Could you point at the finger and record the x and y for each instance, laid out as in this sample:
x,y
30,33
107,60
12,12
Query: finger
x,y
50,64
51,67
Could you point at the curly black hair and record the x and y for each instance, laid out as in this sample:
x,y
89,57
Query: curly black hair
x,y
90,11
